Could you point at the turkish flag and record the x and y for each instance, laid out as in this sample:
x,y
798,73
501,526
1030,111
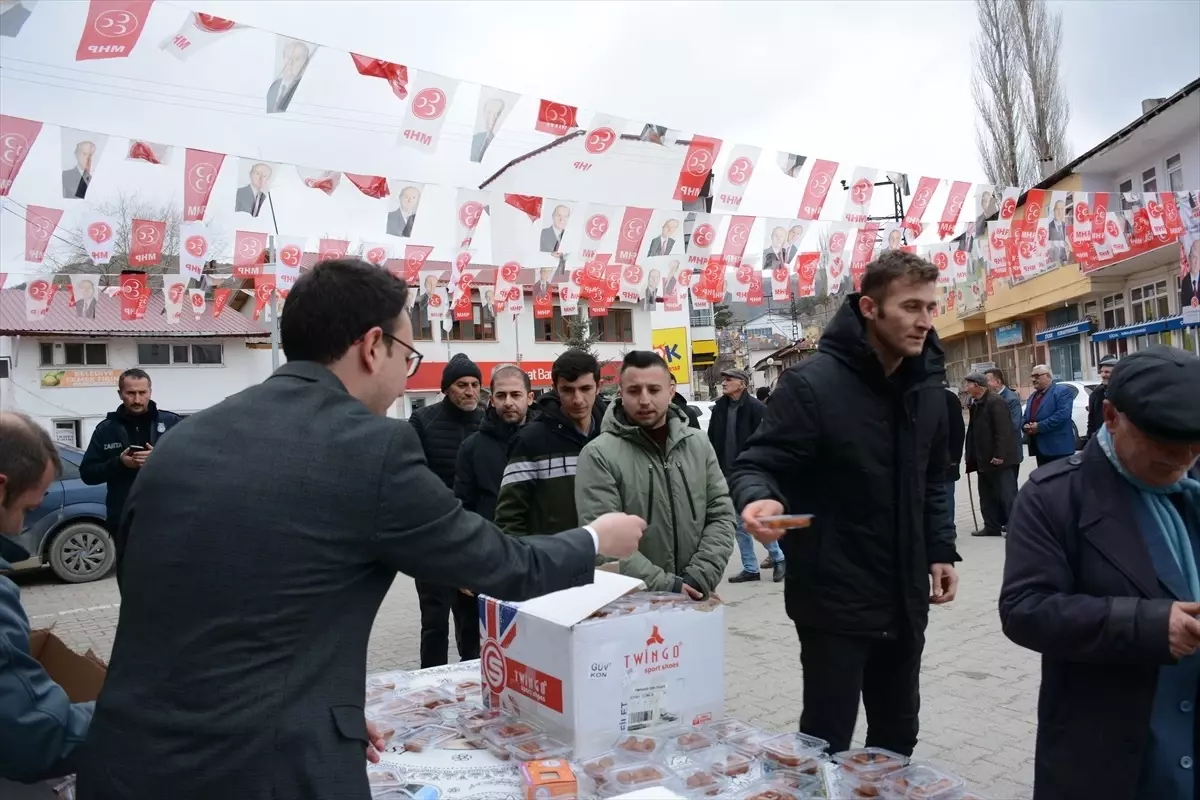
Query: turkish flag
x,y
133,287
112,28
17,136
370,185
40,224
146,242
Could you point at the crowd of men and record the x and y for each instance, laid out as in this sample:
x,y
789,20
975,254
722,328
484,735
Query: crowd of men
x,y
259,537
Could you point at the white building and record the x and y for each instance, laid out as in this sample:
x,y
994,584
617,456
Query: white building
x,y
63,370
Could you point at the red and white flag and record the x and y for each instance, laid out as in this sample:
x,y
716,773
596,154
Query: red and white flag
x,y
459,268
146,239
568,300
174,292
395,74
755,296
17,136
737,235
634,279
1033,251
601,224
38,294
374,186
150,152
743,276
781,283
468,211
1171,213
698,162
289,254
99,237
954,204
220,300
704,236
710,283
634,224
1114,228
858,198
264,289
837,238
556,119
197,302
415,256
998,233
376,253
835,273
40,224
197,32
731,189
330,249
323,180
200,168
462,286
515,301
135,292
112,28
250,253
1099,232
939,256
507,276
864,249
919,205
807,265
1008,203
1154,214
602,139
961,258
437,304
432,95
193,249
820,180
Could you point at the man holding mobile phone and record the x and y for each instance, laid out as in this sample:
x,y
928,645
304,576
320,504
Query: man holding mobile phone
x,y
120,446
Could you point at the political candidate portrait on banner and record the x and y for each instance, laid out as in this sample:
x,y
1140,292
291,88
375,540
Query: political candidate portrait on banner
x,y
541,289
85,299
400,221
552,235
291,59
663,244
776,254
253,195
672,279
791,164
653,284
492,113
77,176
1059,250
1189,279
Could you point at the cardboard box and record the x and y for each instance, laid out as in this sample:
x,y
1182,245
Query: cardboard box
x,y
80,676
589,681
551,777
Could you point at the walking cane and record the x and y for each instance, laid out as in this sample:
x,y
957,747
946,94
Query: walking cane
x,y
971,497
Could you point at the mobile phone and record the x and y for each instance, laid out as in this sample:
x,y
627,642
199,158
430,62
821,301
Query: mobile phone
x,y
136,448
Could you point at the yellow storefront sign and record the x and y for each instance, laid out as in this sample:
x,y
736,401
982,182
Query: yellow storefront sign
x,y
671,344
79,378
704,353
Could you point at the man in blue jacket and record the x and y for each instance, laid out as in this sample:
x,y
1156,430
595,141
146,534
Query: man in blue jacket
x,y
120,446
1047,419
41,730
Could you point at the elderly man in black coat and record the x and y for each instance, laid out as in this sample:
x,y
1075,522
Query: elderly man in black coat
x,y
992,449
1101,579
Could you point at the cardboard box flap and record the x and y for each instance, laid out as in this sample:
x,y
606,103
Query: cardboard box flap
x,y
574,605
80,676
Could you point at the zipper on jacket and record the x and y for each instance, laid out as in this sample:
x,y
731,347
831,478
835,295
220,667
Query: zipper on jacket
x,y
650,507
674,520
688,494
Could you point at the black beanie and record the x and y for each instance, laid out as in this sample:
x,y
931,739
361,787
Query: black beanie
x,y
460,366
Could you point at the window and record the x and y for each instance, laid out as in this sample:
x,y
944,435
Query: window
x,y
476,329
422,329
1150,302
1114,311
1175,174
74,354
151,354
66,431
616,327
1125,188
699,317
551,330
1149,181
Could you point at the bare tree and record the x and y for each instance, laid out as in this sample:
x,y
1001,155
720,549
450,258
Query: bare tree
x,y
71,254
996,89
1044,106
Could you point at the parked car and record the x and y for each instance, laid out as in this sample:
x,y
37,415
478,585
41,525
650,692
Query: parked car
x,y
1079,409
66,532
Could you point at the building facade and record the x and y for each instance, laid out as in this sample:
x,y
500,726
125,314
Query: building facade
x,y
1071,316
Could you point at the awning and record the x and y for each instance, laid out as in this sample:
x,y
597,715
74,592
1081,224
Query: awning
x,y
704,353
1063,331
1139,329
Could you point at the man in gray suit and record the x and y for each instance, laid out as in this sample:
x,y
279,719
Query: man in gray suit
x,y
552,235
250,198
662,245
492,110
400,222
75,181
263,535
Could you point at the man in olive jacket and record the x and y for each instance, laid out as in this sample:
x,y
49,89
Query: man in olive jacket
x,y
647,460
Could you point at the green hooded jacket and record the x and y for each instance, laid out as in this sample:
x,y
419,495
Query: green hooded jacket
x,y
682,496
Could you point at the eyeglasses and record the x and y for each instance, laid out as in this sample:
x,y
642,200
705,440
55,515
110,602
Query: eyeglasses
x,y
413,358
1040,375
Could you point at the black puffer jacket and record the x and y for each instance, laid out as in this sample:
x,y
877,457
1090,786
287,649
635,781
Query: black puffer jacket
x,y
864,453
442,428
692,415
481,462
956,433
749,417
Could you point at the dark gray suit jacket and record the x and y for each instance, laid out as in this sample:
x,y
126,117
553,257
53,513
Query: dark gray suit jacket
x,y
262,536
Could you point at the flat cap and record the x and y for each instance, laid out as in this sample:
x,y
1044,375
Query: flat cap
x,y
1157,389
978,379
737,374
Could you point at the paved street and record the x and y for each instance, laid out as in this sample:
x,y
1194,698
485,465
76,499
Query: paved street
x,y
979,690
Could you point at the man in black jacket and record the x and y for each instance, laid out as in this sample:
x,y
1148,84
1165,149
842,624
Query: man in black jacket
x,y
992,449
856,435
484,454
120,446
681,401
1096,398
442,428
956,436
735,416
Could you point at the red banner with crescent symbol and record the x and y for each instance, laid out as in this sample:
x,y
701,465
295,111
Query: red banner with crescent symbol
x,y
1174,221
861,191
197,32
174,294
134,291
554,118
807,265
17,136
112,28
264,288
193,248
633,229
38,294
330,249
40,224
415,256
200,169
919,205
395,74
376,253
196,301
820,180
528,204
601,139
701,155
370,185
728,194
426,112
146,242
736,236
954,204
220,300
864,248
250,253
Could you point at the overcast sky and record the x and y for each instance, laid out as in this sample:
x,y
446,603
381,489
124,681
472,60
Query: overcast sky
x,y
881,84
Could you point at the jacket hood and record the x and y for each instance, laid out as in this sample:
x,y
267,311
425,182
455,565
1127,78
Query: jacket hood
x,y
492,425
121,413
616,423
845,338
